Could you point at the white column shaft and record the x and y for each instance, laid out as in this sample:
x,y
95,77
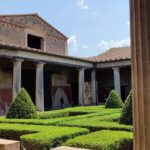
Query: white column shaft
x,y
117,80
16,76
94,87
40,86
81,87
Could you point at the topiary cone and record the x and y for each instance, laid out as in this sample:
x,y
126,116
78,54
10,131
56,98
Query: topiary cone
x,y
113,100
22,106
126,115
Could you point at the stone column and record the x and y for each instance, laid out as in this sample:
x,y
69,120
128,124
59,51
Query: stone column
x,y
81,86
140,52
94,87
16,76
117,80
40,86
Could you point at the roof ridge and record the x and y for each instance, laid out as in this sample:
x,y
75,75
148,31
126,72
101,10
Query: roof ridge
x,y
18,14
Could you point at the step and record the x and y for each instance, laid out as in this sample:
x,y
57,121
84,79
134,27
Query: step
x,y
68,148
9,145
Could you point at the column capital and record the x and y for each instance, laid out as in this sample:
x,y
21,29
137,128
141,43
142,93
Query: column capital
x,y
81,69
18,60
40,64
116,68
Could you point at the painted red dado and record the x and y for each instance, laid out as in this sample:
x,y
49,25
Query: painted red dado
x,y
5,100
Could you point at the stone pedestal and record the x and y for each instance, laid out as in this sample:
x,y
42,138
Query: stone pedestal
x,y
117,80
40,86
81,87
16,76
140,27
9,145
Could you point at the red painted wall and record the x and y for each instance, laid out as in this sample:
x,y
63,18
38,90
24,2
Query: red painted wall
x,y
5,100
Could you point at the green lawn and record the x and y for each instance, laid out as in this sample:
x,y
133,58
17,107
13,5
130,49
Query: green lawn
x,y
77,125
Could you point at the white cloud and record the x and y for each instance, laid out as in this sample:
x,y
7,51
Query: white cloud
x,y
105,45
85,47
72,43
128,23
82,4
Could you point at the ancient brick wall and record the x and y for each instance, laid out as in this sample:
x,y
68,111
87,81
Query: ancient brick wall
x,y
12,34
54,41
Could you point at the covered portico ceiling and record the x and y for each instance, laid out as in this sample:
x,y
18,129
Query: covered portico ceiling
x,y
29,54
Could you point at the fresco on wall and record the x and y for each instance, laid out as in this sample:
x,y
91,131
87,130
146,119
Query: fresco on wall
x,y
61,92
5,100
62,96
88,93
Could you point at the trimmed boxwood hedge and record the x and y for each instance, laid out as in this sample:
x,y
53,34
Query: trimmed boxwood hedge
x,y
104,140
34,137
113,100
126,115
22,106
95,125
55,121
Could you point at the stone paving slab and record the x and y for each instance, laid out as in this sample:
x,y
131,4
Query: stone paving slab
x,y
9,145
68,148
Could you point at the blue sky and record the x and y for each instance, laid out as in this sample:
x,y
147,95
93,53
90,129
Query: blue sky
x,y
92,26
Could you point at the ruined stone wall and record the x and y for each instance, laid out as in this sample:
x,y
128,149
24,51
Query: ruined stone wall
x,y
54,41
55,45
12,34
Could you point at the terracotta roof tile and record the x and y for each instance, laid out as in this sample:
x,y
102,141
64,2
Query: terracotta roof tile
x,y
120,53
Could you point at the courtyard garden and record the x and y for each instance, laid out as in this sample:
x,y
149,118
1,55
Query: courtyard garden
x,y
102,127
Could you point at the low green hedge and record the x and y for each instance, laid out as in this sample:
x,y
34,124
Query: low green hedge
x,y
34,137
55,121
74,111
95,125
104,140
53,114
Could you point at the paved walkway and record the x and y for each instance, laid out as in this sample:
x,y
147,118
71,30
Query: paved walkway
x,y
68,148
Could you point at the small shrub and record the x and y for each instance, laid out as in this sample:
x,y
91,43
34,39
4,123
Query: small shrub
x,y
126,115
113,100
22,106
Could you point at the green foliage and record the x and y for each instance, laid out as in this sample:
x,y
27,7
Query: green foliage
x,y
37,134
101,113
126,115
113,100
95,125
53,114
104,140
39,137
22,106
